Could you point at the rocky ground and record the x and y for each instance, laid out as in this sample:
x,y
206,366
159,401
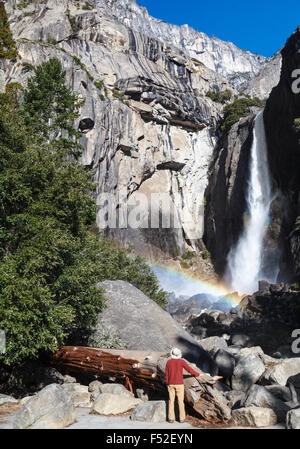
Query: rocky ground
x,y
259,390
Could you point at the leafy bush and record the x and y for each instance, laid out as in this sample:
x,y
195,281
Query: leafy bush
x,y
188,255
220,97
239,108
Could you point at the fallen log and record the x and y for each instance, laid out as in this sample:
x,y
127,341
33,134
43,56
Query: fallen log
x,y
146,368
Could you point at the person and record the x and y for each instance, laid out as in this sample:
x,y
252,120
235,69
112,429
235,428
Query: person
x,y
174,382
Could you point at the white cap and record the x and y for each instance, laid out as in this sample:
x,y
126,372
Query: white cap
x,y
176,353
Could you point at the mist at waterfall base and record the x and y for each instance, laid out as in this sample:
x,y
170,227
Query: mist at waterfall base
x,y
184,288
244,268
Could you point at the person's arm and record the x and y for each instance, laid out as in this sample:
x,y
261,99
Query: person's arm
x,y
167,374
189,369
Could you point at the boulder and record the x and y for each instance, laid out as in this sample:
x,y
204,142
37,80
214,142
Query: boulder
x,y
51,408
142,395
225,363
118,389
113,404
248,370
240,340
264,287
69,379
5,399
254,417
144,325
95,386
79,393
282,372
293,419
280,392
213,344
236,399
258,396
150,411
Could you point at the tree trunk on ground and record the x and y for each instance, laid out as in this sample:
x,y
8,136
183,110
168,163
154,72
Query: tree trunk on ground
x,y
146,368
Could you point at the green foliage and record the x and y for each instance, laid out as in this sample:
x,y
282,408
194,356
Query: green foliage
x,y
50,260
184,265
50,107
73,23
220,97
87,6
205,254
188,255
239,108
22,4
99,84
7,45
83,67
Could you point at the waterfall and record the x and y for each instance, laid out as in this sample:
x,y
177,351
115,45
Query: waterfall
x,y
245,259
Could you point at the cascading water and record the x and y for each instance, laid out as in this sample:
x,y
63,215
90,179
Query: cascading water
x,y
245,260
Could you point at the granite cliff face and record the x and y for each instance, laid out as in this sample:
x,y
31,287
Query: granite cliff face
x,y
282,123
147,122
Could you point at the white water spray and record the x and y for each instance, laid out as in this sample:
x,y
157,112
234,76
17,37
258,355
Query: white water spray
x,y
244,261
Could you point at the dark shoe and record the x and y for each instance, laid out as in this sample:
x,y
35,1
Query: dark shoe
x,y
171,421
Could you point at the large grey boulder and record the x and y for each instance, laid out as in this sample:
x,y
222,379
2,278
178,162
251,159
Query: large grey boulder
x,y
150,411
51,408
113,404
293,419
248,370
94,386
144,325
213,344
225,363
5,400
282,372
79,393
254,417
235,398
114,389
280,392
260,397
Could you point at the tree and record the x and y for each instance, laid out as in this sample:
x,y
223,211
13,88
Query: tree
x,y
50,257
50,107
7,45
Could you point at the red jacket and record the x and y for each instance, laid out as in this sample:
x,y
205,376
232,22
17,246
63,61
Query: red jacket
x,y
174,371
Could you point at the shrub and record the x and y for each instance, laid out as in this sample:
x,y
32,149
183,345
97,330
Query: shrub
x,y
220,97
188,255
239,108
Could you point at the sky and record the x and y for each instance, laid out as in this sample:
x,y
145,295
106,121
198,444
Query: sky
x,y
260,26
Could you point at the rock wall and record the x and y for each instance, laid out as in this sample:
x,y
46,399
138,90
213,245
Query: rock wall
x,y
147,122
282,123
226,192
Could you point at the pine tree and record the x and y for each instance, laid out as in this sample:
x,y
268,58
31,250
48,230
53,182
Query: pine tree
x,y
50,107
7,45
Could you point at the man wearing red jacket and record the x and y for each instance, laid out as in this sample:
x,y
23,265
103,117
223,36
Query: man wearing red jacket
x,y
174,381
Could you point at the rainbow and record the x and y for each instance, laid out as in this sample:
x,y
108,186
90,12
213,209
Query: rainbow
x,y
182,283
